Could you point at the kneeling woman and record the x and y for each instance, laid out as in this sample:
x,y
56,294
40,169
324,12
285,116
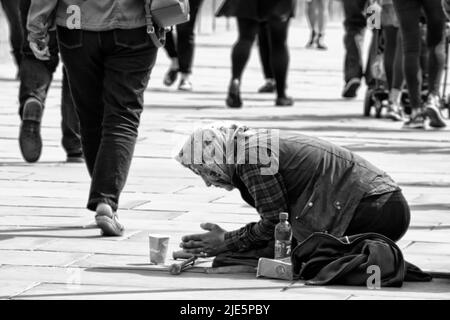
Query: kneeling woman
x,y
323,187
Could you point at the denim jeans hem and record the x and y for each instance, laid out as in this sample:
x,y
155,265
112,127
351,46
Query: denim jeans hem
x,y
92,204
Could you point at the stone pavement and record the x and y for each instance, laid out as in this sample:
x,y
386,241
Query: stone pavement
x,y
49,248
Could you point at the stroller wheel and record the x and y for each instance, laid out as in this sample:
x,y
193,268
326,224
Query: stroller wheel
x,y
368,102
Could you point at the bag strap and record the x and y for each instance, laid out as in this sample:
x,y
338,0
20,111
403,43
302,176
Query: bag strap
x,y
151,30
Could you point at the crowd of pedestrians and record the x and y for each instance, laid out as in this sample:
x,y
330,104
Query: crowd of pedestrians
x,y
108,58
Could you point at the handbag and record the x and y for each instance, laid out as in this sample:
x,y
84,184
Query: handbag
x,y
163,14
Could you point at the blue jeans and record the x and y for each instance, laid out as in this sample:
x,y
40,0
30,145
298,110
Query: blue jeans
x,y
108,73
35,79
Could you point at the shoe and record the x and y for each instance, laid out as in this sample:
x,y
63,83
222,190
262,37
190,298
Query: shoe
x,y
351,88
319,43
30,140
234,95
170,77
433,112
108,221
268,87
284,102
311,40
75,157
185,85
417,122
394,112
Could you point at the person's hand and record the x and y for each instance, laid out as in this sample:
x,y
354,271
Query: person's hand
x,y
206,244
40,50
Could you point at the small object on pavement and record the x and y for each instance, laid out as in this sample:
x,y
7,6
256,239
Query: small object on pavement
x,y
277,269
158,248
177,268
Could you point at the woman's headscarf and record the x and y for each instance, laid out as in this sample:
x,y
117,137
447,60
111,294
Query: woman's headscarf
x,y
213,151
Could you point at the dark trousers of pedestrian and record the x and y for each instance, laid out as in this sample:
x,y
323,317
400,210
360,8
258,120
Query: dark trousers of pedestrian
x,y
12,12
108,73
278,31
409,13
182,46
265,50
355,27
35,79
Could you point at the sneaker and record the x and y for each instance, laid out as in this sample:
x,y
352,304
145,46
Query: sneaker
x,y
30,140
170,77
284,102
351,88
234,95
433,112
417,122
268,87
75,157
394,112
185,85
108,221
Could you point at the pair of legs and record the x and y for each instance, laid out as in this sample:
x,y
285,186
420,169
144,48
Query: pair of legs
x,y
248,30
12,12
180,49
108,73
317,13
387,214
355,27
409,14
35,79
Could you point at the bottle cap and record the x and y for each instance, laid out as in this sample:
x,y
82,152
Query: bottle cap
x,y
284,216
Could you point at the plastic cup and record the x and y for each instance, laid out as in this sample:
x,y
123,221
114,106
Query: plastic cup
x,y
158,248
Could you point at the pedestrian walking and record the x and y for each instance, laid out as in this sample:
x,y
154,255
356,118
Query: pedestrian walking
x,y
180,48
249,15
317,13
409,13
109,58
36,76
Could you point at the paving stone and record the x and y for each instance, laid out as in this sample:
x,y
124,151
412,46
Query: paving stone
x,y
38,258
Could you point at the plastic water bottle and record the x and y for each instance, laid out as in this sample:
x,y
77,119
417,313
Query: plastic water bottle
x,y
283,237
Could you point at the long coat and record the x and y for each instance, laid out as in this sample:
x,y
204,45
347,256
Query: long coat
x,y
260,10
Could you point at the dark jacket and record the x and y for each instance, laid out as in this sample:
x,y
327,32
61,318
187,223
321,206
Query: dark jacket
x,y
260,10
324,184
359,260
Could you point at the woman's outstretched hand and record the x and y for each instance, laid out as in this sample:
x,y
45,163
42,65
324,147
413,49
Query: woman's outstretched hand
x,y
206,244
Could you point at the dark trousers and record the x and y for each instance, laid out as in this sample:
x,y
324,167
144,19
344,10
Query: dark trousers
x,y
387,214
355,26
12,12
409,13
108,73
278,31
183,46
393,57
35,79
